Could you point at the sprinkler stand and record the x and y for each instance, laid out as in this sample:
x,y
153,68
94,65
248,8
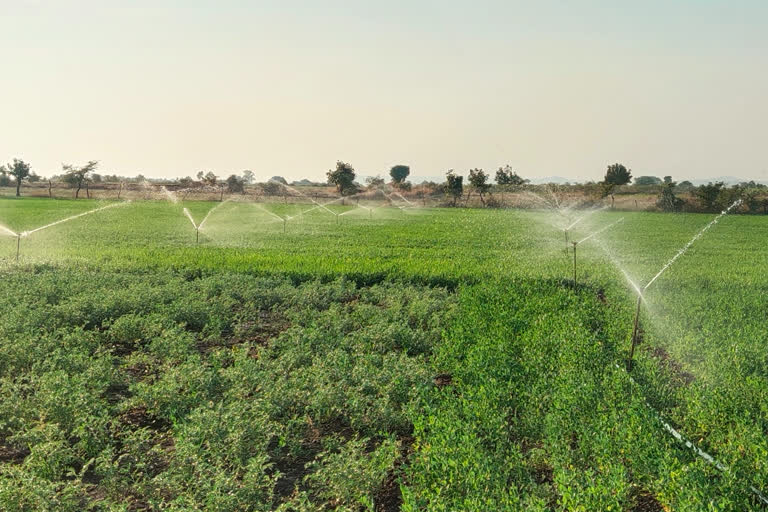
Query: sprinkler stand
x,y
574,262
18,247
635,332
197,235
566,240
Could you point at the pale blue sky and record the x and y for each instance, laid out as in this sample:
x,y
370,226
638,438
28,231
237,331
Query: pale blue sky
x,y
167,88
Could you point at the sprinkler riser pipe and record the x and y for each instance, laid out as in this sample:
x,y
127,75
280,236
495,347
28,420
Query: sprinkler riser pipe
x,y
635,331
18,247
197,235
574,263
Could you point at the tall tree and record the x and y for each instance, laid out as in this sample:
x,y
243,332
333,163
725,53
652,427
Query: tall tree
x,y
249,177
454,185
615,176
79,176
479,181
343,177
399,173
20,170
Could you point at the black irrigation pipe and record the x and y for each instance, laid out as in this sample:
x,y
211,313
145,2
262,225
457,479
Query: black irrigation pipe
x,y
688,444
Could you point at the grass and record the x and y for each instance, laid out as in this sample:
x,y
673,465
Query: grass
x,y
528,410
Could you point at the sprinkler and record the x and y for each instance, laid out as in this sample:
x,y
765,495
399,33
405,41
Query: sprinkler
x,y
197,235
574,262
635,331
18,247
566,240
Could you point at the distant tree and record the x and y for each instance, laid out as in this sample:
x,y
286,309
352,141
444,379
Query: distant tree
x,y
5,181
648,180
709,194
454,185
278,179
96,178
399,173
617,175
374,181
667,180
684,185
186,182
34,178
667,200
209,179
235,184
272,188
506,176
343,177
20,170
79,176
479,181
249,177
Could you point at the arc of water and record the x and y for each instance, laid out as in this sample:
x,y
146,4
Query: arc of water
x,y
211,211
307,197
73,217
170,195
398,194
591,212
9,231
599,231
276,216
189,216
690,243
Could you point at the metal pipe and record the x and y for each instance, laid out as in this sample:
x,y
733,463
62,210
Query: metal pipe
x,y
635,332
197,235
574,263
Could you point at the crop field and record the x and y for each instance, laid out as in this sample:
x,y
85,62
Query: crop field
x,y
200,355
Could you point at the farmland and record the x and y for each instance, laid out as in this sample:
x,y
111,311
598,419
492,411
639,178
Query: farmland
x,y
376,358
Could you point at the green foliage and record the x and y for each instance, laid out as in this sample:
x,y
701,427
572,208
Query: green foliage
x,y
617,175
20,170
399,173
647,180
506,176
218,393
454,186
343,177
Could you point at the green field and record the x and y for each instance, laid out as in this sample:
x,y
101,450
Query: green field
x,y
383,359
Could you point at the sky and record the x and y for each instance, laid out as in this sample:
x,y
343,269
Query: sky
x,y
167,88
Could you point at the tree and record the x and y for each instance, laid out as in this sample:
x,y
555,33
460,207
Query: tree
x,y
454,185
235,184
647,180
399,173
20,170
207,178
684,185
79,176
374,181
249,177
343,177
709,194
479,181
667,180
278,179
667,201
506,176
615,176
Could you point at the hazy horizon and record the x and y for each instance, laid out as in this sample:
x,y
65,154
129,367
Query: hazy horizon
x,y
169,88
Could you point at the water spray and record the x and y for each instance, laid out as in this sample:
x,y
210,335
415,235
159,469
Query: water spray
x,y
683,250
588,237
